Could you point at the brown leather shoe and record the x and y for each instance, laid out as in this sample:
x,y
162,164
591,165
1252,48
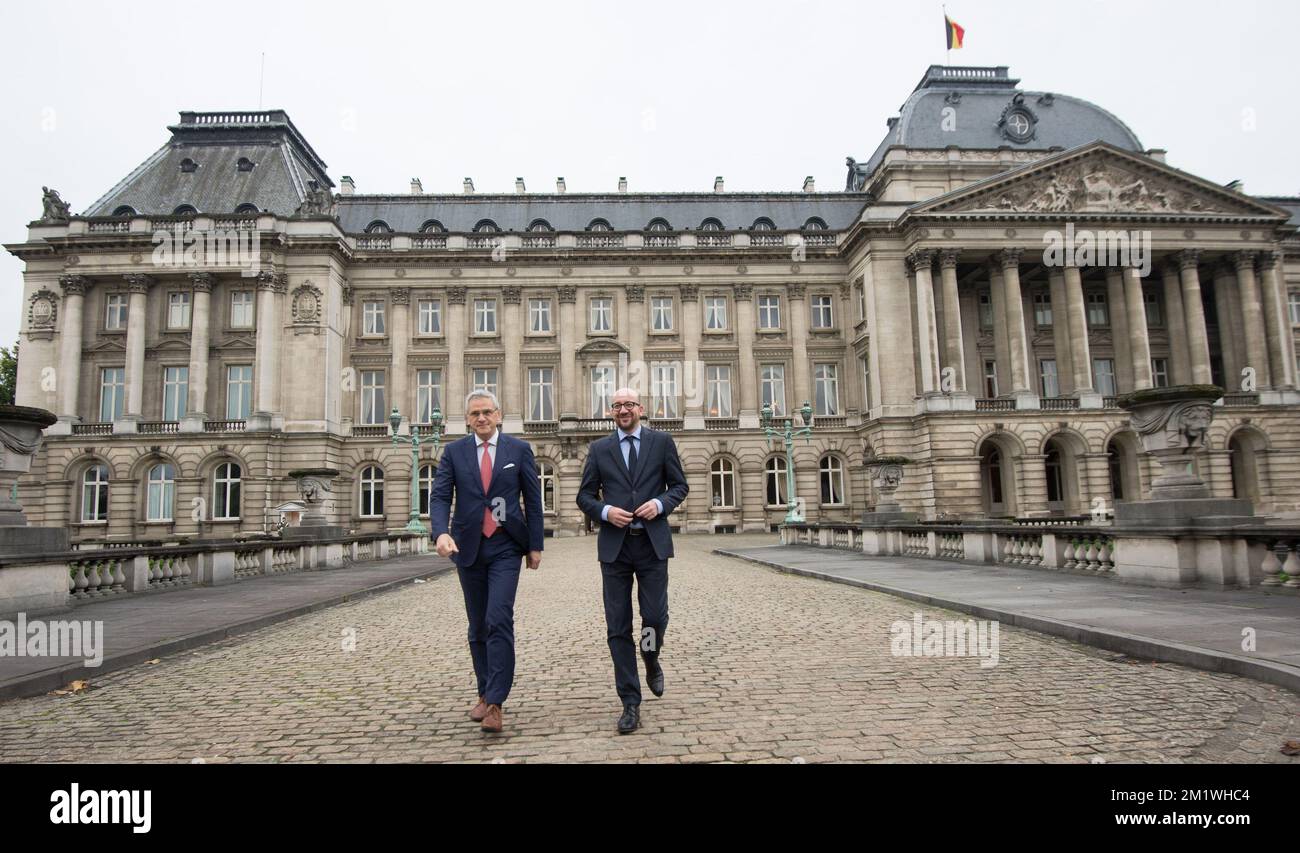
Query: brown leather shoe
x,y
479,711
492,719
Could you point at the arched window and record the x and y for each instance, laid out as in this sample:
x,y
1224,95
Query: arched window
x,y
379,226
546,474
161,492
94,494
486,226
710,224
814,224
658,225
185,210
247,208
188,165
763,224
1115,465
722,483
831,475
372,492
540,225
433,226
226,486
599,225
427,473
774,478
1055,487
124,210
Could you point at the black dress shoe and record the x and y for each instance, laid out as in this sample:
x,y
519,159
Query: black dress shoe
x,y
654,675
630,721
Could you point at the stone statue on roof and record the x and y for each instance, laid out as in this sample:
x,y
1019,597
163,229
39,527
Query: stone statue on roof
x,y
857,179
319,201
54,208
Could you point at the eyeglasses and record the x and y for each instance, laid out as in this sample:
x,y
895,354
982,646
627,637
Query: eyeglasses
x,y
629,406
482,413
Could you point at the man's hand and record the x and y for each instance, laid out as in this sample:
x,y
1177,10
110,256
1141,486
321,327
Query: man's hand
x,y
648,511
534,559
618,517
446,546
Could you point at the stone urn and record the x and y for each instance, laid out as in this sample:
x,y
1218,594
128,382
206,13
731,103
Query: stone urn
x,y
21,429
886,473
314,490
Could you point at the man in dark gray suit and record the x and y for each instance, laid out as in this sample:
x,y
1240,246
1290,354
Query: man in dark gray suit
x,y
631,483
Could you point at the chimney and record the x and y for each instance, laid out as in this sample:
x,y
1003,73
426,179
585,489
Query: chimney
x,y
808,185
1157,154
469,186
717,184
417,188
519,186
559,185
622,185
347,186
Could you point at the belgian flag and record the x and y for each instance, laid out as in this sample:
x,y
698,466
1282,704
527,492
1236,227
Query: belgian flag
x,y
954,33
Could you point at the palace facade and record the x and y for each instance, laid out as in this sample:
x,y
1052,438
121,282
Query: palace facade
x,y
228,313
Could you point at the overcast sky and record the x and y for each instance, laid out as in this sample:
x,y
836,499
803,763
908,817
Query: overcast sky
x,y
669,94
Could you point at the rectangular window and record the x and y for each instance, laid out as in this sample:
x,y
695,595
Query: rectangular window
x,y
373,318
1043,311
176,388
484,378
373,408
769,312
1103,376
821,313
541,394
862,302
771,383
663,390
112,393
602,314
986,310
485,316
1293,299
115,318
827,393
866,381
715,313
241,309
1048,385
1098,315
602,391
1155,313
178,310
661,313
430,316
717,388
239,391
1160,372
428,394
539,316
990,378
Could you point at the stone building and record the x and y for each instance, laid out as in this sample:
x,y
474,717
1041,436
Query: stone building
x,y
1003,266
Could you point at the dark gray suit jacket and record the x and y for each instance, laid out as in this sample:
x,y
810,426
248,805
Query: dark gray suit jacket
x,y
606,480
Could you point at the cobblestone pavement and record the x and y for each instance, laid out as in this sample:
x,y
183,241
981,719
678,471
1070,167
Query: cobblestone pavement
x,y
761,666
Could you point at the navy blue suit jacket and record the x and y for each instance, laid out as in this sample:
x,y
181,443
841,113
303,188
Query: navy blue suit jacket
x,y
514,477
605,480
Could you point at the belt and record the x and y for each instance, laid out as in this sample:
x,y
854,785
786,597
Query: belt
x,y
636,531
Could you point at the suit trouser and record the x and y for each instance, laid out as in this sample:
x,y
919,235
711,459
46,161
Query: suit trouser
x,y
636,559
489,586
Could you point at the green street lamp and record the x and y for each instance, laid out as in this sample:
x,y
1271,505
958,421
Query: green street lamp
x,y
789,434
395,420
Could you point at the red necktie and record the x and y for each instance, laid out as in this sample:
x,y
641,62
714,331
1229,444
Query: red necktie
x,y
485,469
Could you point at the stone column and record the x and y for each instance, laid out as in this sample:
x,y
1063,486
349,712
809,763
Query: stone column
x,y
347,387
68,380
693,390
746,322
1009,260
1061,332
1001,335
799,338
1281,342
1198,342
1116,304
922,263
1252,320
1180,370
512,334
1080,348
635,335
954,343
1139,338
453,408
1225,306
568,396
266,405
136,320
200,319
399,378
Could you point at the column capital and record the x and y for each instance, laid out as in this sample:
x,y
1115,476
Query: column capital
x,y
510,294
1245,260
797,291
690,292
74,285
400,295
568,293
349,294
948,259
921,259
202,281
1269,259
1008,258
138,282
1189,259
636,293
273,282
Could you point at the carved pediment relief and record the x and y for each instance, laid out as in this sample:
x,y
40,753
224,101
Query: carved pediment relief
x,y
601,346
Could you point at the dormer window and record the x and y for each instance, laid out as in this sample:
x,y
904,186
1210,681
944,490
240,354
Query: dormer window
x,y
124,210
540,225
599,225
763,224
247,208
814,224
244,164
433,226
486,226
659,225
710,225
185,210
379,226
188,165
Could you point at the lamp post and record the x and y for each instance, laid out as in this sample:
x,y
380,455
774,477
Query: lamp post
x,y
789,434
395,420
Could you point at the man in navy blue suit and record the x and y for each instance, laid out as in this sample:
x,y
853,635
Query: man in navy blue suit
x,y
488,472
631,482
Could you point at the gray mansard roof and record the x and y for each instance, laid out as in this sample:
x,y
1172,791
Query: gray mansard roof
x,y
979,99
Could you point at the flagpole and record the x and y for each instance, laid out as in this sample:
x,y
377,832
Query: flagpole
x,y
947,55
